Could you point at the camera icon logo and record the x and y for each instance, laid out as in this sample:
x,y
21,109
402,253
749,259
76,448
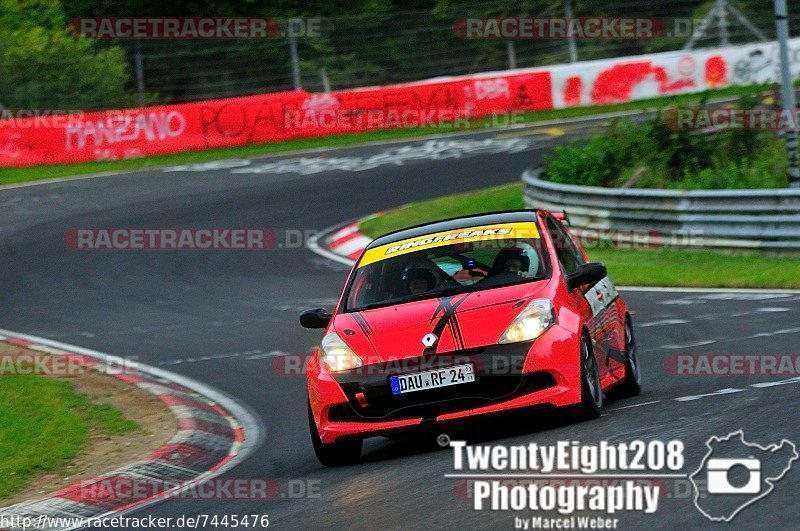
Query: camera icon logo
x,y
735,473
718,476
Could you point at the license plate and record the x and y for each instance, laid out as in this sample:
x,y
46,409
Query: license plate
x,y
408,383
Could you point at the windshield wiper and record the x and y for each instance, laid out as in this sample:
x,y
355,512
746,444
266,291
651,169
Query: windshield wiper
x,y
444,292
450,290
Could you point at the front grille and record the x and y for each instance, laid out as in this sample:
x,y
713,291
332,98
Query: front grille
x,y
498,376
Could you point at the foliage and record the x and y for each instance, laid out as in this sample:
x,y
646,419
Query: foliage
x,y
370,42
42,65
653,154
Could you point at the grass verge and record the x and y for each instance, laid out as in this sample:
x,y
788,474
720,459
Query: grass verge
x,y
45,424
17,175
656,267
504,197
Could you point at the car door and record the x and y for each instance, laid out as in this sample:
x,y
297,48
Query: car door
x,y
595,299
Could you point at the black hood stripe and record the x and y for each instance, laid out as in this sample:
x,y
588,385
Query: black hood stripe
x,y
456,331
362,323
447,306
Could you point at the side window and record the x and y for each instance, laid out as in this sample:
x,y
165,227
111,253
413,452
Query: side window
x,y
568,255
448,264
361,288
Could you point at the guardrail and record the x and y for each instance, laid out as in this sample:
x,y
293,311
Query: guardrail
x,y
723,219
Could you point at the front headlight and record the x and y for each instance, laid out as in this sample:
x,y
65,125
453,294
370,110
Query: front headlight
x,y
335,355
538,316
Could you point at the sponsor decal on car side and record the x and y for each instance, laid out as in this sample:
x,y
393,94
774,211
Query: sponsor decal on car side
x,y
601,295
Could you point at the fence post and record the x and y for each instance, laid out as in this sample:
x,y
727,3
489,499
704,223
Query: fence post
x,y
788,102
326,83
573,49
139,62
512,55
722,21
290,30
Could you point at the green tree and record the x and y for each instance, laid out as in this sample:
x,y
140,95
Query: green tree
x,y
43,65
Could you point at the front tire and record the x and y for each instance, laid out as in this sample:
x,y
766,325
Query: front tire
x,y
632,383
341,452
591,391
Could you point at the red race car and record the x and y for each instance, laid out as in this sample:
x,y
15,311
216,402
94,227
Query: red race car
x,y
472,316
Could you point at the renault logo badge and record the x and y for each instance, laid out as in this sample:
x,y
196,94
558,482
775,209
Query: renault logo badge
x,y
429,340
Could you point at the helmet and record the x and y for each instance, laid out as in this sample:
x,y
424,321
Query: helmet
x,y
420,273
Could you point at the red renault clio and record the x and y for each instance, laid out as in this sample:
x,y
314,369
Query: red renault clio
x,y
465,317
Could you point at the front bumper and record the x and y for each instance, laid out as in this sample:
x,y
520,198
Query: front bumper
x,y
359,403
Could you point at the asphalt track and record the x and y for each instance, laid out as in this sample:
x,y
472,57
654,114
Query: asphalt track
x,y
223,317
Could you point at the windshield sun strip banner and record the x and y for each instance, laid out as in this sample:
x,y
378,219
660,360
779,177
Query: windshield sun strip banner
x,y
495,232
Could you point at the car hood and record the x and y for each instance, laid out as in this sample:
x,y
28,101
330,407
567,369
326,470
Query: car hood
x,y
459,322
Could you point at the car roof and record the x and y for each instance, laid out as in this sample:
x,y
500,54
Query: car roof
x,y
513,216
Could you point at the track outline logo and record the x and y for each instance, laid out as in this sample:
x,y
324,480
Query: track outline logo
x,y
771,480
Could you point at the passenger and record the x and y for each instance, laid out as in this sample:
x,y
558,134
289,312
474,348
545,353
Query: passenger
x,y
514,265
512,261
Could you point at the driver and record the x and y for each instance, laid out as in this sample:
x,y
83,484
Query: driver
x,y
419,280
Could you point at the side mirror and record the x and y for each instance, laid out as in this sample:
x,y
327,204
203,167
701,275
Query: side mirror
x,y
589,273
319,318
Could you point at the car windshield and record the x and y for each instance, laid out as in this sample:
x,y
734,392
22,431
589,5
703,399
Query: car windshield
x,y
446,263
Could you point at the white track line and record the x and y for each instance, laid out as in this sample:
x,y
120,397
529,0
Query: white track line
x,y
635,405
315,247
674,289
718,392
